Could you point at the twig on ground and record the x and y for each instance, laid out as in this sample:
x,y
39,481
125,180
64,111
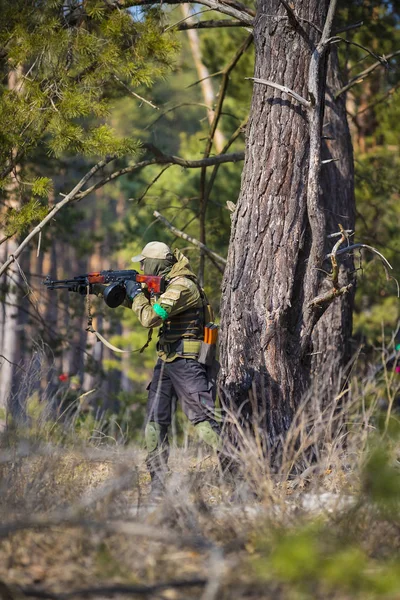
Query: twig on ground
x,y
113,590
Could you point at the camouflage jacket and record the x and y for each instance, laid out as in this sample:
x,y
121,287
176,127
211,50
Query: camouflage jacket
x,y
182,294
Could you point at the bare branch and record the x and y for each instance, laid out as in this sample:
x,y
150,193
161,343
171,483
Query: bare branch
x,y
71,196
361,76
175,108
282,88
329,160
328,23
335,39
210,24
156,178
349,27
10,362
134,93
292,17
370,248
325,300
188,238
228,144
339,233
200,80
229,7
378,101
199,12
295,19
164,159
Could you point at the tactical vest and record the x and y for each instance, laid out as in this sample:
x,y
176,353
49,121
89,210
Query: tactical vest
x,y
184,332
187,324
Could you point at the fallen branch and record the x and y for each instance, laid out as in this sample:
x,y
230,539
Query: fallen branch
x,y
113,590
69,519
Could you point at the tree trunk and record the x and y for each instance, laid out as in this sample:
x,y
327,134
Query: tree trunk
x,y
264,361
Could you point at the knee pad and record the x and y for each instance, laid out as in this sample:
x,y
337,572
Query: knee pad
x,y
207,434
152,435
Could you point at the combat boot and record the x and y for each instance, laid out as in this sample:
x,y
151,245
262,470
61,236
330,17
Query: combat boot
x,y
157,489
157,459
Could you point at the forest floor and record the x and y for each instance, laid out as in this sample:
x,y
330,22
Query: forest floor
x,y
77,523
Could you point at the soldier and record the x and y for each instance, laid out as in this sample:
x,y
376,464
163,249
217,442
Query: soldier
x,y
181,312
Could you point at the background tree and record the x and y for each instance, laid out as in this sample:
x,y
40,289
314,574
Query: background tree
x,y
61,62
277,341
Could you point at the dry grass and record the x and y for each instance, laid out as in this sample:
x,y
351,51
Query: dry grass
x,y
325,524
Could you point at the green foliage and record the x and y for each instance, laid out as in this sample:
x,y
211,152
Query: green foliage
x,y
373,114
319,560
62,64
18,220
381,480
42,187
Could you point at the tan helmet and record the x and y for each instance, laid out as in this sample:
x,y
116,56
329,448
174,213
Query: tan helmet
x,y
153,250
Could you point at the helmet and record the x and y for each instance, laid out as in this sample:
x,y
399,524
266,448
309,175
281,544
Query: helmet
x,y
153,250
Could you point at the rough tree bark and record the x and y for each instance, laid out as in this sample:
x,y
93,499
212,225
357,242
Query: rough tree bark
x,y
274,348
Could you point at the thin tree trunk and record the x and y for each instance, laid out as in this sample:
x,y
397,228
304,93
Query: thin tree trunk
x,y
268,276
9,291
204,77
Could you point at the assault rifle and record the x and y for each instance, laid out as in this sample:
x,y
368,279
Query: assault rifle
x,y
114,294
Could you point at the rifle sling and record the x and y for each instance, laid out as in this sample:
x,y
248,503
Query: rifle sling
x,y
103,340
114,348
